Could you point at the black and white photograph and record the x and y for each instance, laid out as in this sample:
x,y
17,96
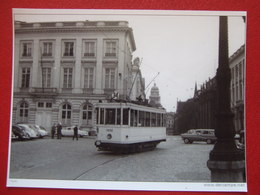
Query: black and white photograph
x,y
128,100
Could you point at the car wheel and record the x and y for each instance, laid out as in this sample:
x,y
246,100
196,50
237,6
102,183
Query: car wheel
x,y
186,141
209,141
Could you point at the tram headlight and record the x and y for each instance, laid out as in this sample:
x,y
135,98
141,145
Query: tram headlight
x,y
109,136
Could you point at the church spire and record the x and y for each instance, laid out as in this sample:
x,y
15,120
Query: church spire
x,y
195,90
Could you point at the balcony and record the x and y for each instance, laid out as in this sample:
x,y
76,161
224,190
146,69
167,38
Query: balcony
x,y
39,91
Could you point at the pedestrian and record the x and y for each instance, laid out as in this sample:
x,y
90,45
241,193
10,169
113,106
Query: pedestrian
x,y
75,129
53,130
59,127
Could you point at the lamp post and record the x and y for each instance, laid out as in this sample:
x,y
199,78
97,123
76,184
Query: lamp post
x,y
226,162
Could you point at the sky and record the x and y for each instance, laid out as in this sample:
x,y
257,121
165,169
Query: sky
x,y
177,48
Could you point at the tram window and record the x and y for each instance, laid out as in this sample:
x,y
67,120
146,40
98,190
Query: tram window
x,y
97,116
141,118
147,119
118,116
133,119
102,116
163,120
158,118
125,116
153,119
110,116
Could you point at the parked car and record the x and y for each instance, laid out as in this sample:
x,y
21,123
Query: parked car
x,y
13,136
20,132
68,131
31,132
204,135
41,130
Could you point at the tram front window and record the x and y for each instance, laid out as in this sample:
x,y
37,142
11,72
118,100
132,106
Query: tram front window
x,y
118,115
110,116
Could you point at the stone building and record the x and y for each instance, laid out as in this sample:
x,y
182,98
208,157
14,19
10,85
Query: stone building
x,y
200,111
170,123
61,69
237,66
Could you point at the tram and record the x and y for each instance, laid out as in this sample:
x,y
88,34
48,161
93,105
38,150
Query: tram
x,y
129,127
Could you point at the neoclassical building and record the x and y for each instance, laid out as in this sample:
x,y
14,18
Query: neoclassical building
x,y
237,66
61,69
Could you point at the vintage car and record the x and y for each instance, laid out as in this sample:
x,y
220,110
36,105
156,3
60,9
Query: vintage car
x,y
202,135
20,133
30,131
68,131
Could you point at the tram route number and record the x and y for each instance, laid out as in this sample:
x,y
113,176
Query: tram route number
x,y
109,130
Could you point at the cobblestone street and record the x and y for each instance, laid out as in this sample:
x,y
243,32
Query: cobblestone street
x,y
65,159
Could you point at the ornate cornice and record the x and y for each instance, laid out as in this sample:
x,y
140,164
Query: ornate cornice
x,y
70,29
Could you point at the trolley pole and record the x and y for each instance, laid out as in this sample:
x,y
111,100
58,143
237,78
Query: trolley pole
x,y
226,162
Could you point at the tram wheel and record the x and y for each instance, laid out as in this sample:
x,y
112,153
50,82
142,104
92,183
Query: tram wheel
x,y
139,148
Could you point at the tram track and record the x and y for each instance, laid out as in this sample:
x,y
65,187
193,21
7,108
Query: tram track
x,y
99,165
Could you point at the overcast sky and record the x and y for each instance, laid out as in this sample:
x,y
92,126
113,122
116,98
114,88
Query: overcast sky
x,y
181,46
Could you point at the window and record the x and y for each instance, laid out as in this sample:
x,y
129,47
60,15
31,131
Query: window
x,y
66,114
111,48
102,116
67,79
141,118
40,104
97,116
47,49
46,77
25,77
48,105
110,78
133,121
89,78
87,114
147,119
118,116
125,116
153,119
110,116
158,118
26,49
23,112
90,49
68,49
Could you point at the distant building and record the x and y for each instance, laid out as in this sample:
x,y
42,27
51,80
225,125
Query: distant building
x,y
237,66
170,119
154,98
61,69
200,111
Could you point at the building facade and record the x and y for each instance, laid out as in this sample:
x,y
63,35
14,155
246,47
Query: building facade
x,y
200,111
61,69
237,66
170,123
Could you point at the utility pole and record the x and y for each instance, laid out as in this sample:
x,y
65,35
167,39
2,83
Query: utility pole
x,y
226,162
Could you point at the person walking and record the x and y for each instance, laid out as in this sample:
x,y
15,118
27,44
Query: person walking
x,y
53,130
75,129
59,127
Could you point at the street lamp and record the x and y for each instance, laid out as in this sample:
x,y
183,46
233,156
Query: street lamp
x,y
226,162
